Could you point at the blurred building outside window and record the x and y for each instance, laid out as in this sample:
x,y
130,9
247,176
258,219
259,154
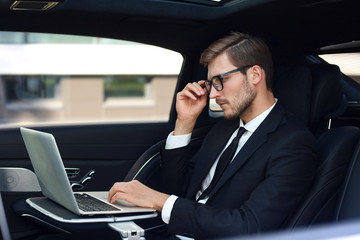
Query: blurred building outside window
x,y
56,79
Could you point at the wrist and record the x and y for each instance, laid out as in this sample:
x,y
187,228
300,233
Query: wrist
x,y
158,204
183,127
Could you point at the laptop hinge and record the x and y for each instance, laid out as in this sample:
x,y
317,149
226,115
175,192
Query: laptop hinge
x,y
128,230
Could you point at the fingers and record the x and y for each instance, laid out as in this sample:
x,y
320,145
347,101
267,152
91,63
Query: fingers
x,y
193,90
117,196
123,190
117,191
138,194
202,83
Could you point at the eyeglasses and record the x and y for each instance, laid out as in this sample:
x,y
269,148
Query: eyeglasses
x,y
217,81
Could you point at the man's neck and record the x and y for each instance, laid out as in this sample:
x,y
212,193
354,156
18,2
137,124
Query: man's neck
x,y
258,106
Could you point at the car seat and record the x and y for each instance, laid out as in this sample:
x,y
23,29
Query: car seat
x,y
348,205
147,168
324,100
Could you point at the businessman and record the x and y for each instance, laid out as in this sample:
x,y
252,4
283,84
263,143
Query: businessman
x,y
253,167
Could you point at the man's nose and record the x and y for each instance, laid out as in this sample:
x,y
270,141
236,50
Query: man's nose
x,y
214,93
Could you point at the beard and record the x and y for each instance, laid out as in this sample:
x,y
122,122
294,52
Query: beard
x,y
241,101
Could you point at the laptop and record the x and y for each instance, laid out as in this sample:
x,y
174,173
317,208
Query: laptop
x,y
49,168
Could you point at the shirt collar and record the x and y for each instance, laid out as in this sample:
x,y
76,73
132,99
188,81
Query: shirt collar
x,y
252,125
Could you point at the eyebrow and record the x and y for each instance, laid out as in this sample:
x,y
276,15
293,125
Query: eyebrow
x,y
219,74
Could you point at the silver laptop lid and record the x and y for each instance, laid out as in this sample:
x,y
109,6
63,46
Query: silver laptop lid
x,y
49,168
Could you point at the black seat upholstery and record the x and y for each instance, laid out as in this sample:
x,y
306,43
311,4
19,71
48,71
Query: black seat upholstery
x,y
335,146
147,169
312,92
292,86
348,205
335,149
328,100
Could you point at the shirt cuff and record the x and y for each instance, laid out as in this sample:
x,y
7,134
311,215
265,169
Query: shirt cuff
x,y
177,141
167,208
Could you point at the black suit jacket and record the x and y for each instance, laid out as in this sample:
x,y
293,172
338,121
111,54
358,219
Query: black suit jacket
x,y
257,192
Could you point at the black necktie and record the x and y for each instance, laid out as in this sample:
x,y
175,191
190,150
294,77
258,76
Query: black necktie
x,y
224,161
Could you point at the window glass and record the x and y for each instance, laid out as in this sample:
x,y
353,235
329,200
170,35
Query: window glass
x,y
12,37
38,38
52,79
125,86
27,88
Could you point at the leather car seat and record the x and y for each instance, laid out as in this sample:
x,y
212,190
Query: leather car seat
x,y
335,149
348,205
147,168
335,146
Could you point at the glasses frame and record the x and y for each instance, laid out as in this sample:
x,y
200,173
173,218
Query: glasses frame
x,y
220,77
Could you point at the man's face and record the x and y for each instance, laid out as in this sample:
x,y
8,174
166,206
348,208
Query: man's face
x,y
237,94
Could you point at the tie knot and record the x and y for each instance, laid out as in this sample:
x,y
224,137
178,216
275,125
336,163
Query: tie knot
x,y
240,132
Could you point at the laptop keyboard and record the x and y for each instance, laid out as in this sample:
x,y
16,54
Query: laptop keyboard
x,y
88,203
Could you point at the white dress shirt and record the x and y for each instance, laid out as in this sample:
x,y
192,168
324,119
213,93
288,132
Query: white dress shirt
x,y
178,141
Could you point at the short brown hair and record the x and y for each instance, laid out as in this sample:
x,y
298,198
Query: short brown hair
x,y
242,49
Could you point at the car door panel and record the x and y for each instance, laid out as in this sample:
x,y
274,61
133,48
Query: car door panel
x,y
110,150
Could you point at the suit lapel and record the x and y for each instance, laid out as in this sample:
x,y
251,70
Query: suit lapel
x,y
210,150
257,139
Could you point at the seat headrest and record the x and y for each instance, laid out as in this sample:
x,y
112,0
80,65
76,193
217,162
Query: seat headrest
x,y
328,99
312,92
292,85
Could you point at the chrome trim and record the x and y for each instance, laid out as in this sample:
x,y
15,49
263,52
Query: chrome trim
x,y
144,165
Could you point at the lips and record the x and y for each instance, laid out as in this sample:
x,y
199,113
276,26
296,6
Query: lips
x,y
221,103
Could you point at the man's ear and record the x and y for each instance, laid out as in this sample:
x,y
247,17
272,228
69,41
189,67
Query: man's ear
x,y
257,74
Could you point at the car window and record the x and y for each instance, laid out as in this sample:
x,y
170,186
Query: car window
x,y
50,78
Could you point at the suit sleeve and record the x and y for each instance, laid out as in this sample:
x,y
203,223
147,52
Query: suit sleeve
x,y
176,168
289,173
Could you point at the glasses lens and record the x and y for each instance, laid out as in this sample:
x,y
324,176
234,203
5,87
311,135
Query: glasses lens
x,y
217,83
208,86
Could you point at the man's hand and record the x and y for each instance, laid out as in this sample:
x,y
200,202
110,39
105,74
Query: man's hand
x,y
138,194
189,104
